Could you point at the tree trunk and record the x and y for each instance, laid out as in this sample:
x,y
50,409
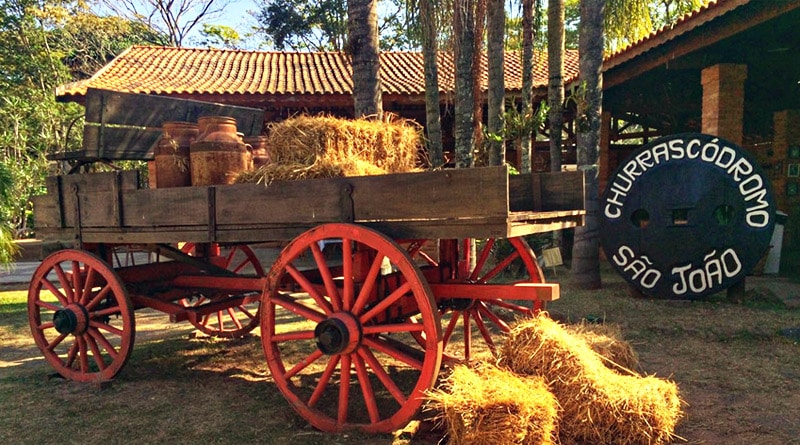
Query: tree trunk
x,y
464,37
477,73
495,27
432,111
586,249
555,68
526,142
362,21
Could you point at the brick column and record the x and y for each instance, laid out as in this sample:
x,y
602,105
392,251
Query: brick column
x,y
723,116
723,100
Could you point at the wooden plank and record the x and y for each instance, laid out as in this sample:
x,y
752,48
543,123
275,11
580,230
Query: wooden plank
x,y
46,212
562,190
308,202
147,110
454,193
546,191
114,143
178,206
97,196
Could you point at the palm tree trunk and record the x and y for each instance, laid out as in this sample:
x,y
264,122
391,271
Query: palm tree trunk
x,y
432,112
495,26
555,68
362,25
477,73
526,143
464,37
586,249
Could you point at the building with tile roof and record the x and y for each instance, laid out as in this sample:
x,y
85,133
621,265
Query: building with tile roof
x,y
730,68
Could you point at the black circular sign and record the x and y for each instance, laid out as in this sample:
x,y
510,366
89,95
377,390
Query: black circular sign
x,y
686,216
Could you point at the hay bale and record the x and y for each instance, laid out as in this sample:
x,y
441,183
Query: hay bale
x,y
607,341
484,405
307,147
598,405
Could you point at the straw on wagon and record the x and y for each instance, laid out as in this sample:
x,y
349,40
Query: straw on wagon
x,y
484,405
305,147
606,340
598,405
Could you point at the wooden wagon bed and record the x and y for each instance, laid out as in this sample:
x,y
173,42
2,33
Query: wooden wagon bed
x,y
475,203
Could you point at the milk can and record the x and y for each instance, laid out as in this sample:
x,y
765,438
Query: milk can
x,y
172,154
219,154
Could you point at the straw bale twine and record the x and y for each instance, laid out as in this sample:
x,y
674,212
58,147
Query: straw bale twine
x,y
598,405
484,405
322,146
606,340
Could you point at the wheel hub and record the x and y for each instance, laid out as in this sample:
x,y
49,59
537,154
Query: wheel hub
x,y
72,319
339,334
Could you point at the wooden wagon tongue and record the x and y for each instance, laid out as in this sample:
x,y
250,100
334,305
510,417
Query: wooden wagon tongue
x,y
687,216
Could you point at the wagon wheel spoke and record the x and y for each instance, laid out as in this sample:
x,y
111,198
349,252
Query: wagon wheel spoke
x,y
334,349
85,334
238,319
470,324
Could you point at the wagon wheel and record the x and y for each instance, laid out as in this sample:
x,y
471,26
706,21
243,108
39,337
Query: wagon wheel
x,y
237,320
336,334
80,316
508,260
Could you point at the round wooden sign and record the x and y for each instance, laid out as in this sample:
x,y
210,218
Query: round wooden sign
x,y
686,216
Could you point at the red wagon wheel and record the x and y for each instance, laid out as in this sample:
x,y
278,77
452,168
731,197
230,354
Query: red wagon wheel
x,y
508,261
236,320
335,330
80,316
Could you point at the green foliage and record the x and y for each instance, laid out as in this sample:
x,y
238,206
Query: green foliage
x,y
321,25
44,44
300,25
220,36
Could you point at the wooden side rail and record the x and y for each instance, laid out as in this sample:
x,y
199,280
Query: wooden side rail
x,y
124,126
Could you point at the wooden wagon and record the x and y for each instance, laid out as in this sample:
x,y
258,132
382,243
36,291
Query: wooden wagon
x,y
376,278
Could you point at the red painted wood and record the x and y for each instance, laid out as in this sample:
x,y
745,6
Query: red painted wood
x,y
352,316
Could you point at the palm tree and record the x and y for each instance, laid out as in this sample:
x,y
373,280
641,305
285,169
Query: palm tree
x,y
362,26
464,39
586,248
530,10
555,69
495,27
429,54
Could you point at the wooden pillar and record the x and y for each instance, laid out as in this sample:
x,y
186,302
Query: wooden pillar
x,y
723,101
723,116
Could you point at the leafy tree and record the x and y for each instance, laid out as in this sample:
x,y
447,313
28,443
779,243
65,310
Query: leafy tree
x,y
321,25
220,36
301,25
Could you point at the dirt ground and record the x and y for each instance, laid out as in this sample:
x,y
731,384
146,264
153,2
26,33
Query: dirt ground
x,y
737,366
